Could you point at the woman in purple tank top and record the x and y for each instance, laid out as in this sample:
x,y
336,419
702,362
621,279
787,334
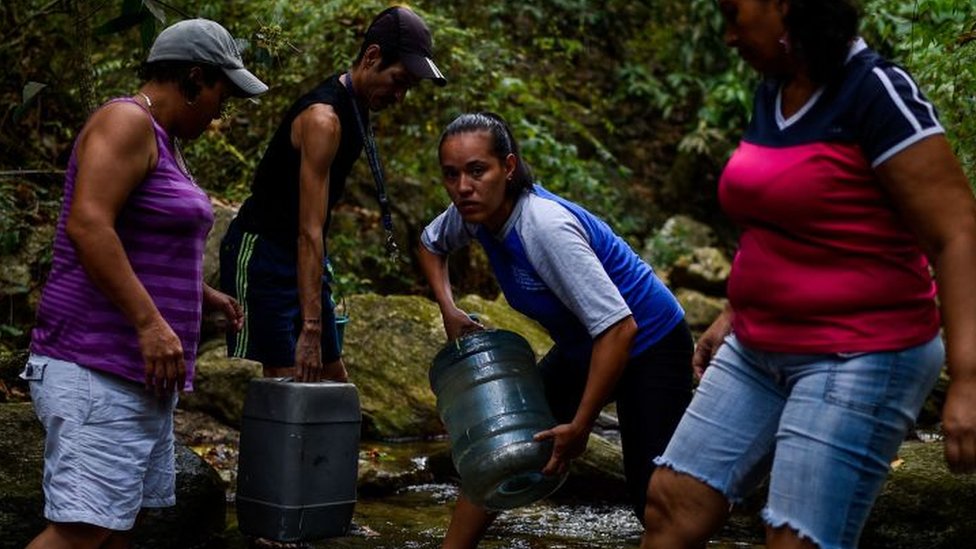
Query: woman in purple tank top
x,y
119,319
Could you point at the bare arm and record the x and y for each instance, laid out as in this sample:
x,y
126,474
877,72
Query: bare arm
x,y
611,350
215,300
116,150
934,197
434,266
709,342
316,133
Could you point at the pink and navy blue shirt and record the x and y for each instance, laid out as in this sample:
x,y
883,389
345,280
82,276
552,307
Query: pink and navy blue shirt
x,y
163,227
825,264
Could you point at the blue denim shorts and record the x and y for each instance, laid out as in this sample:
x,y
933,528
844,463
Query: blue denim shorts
x,y
824,429
109,444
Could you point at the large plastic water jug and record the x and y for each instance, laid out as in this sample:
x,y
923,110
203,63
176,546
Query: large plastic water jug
x,y
299,458
492,401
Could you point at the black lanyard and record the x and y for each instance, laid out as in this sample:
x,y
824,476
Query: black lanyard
x,y
366,131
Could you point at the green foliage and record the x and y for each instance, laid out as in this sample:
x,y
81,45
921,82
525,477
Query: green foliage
x,y
936,41
603,95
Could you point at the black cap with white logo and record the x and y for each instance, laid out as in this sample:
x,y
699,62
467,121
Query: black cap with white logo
x,y
404,30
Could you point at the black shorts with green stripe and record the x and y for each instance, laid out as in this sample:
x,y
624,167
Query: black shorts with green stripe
x,y
263,276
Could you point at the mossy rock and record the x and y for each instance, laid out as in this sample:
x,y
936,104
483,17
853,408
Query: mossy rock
x,y
390,343
220,384
923,504
499,314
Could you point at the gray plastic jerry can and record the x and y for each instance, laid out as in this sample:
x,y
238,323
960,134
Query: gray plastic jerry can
x,y
299,459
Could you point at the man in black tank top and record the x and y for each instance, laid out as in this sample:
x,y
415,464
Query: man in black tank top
x,y
274,253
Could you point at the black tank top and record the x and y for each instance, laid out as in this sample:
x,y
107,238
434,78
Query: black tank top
x,y
272,209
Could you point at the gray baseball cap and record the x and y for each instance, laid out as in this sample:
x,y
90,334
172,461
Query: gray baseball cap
x,y
206,41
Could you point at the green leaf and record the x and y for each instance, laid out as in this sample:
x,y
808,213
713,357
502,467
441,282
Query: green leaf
x,y
31,90
156,9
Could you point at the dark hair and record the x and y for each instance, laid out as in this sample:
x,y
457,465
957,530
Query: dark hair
x,y
179,72
377,34
820,34
502,144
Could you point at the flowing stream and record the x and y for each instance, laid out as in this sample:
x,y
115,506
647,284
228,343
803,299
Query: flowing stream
x,y
416,517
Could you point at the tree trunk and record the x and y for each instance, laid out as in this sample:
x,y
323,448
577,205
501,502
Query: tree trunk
x,y
81,12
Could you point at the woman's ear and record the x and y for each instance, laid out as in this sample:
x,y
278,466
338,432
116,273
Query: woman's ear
x,y
511,162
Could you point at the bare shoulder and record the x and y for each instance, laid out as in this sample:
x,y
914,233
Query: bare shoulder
x,y
318,122
121,125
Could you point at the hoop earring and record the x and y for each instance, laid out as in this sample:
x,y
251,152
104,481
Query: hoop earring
x,y
784,42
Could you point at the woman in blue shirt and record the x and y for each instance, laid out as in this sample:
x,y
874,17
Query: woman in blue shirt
x,y
619,333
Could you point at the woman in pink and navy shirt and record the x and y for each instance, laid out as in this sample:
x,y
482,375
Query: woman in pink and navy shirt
x,y
848,196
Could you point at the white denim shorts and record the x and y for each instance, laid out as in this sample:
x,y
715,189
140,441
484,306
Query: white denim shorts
x,y
109,444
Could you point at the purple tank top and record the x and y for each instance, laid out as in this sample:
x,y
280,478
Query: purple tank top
x,y
163,227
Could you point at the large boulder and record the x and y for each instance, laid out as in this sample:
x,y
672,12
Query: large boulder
x,y
677,237
198,516
390,343
700,309
220,384
704,269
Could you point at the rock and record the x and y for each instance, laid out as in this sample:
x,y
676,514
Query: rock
x,y
598,474
703,269
390,344
385,468
197,517
21,468
678,236
921,505
200,512
19,287
213,324
220,384
700,310
499,314
12,388
223,215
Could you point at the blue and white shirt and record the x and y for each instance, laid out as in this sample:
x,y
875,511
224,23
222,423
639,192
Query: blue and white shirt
x,y
566,269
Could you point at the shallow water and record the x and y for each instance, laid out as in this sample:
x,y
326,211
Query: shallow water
x,y
417,517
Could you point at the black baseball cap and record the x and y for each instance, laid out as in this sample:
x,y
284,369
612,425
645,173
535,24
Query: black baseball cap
x,y
401,28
